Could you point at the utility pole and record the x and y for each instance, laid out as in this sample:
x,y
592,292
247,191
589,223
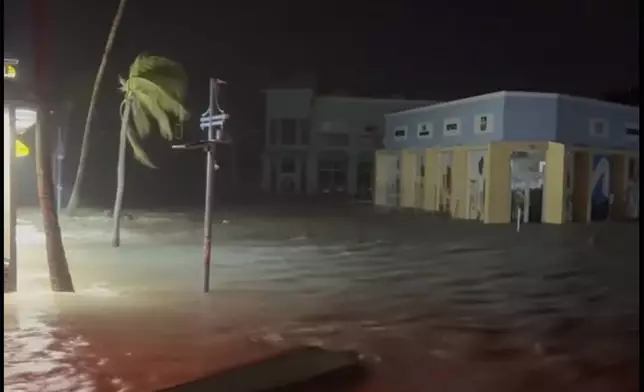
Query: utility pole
x,y
212,120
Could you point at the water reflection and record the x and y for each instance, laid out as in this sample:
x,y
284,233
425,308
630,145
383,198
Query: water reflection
x,y
467,309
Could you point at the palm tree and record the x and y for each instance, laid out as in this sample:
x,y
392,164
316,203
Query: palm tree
x,y
84,153
154,90
59,275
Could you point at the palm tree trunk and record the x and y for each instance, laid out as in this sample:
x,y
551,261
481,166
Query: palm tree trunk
x,y
120,176
59,276
75,196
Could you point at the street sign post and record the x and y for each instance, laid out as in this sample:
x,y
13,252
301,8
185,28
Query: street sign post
x,y
213,120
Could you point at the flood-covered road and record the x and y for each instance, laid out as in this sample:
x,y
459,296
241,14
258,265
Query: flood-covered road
x,y
432,304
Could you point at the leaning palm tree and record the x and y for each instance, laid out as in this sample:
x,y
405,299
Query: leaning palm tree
x,y
75,196
59,275
154,90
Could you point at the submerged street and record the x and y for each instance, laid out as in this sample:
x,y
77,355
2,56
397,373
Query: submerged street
x,y
429,303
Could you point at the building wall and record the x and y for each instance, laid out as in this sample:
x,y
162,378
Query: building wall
x,y
529,117
289,103
574,123
436,115
556,125
348,129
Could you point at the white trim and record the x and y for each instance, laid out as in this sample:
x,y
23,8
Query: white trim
x,y
632,126
429,127
477,123
599,102
592,123
516,94
453,120
498,94
400,128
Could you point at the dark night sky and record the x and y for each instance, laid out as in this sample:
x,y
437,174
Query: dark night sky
x,y
422,49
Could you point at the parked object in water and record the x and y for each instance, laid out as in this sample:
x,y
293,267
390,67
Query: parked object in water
x,y
294,367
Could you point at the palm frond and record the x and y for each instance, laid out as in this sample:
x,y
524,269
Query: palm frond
x,y
166,100
140,119
139,154
160,116
145,64
155,88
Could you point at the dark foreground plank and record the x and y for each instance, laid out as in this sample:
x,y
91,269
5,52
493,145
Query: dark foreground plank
x,y
294,367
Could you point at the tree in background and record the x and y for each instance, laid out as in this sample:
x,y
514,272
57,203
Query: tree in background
x,y
154,90
84,153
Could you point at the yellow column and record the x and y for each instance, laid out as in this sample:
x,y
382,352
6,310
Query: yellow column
x,y
555,183
430,201
497,190
380,186
458,204
408,164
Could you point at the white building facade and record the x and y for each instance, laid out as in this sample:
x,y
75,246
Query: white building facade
x,y
323,144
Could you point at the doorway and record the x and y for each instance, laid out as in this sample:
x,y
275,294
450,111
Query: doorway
x,y
476,184
526,186
600,192
445,181
332,176
365,180
420,180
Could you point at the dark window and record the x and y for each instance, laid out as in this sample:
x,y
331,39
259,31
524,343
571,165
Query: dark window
x,y
633,132
370,129
451,127
273,131
400,133
631,169
288,166
599,128
305,132
289,132
483,124
337,139
424,131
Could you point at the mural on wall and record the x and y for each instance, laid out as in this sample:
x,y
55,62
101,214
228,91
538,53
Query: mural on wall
x,y
445,183
600,196
476,183
633,188
526,185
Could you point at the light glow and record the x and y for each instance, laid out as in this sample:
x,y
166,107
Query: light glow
x,y
25,119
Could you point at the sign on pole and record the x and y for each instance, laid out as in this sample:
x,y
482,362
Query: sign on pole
x,y
207,120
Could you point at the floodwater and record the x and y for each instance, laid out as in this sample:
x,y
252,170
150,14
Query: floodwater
x,y
431,304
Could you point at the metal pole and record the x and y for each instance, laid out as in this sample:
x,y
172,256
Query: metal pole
x,y
10,202
210,166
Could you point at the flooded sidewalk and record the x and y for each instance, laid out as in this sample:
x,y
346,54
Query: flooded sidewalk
x,y
429,303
